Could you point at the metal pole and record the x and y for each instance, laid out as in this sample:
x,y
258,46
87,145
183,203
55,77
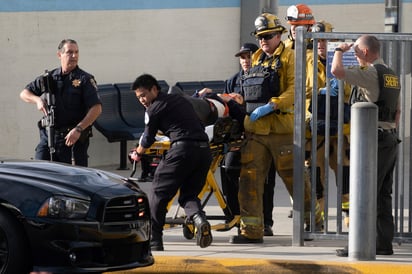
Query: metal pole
x,y
363,181
299,138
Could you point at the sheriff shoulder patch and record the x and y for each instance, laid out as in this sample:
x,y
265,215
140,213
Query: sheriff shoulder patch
x,y
93,82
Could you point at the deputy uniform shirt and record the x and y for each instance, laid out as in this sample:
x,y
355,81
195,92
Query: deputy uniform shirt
x,y
234,83
175,117
75,93
366,78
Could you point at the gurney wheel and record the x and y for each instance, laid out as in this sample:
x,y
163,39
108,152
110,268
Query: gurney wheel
x,y
188,231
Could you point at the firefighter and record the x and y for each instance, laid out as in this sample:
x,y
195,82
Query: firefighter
x,y
269,123
298,15
323,26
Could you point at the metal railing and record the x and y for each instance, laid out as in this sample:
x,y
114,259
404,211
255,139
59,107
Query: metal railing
x,y
396,48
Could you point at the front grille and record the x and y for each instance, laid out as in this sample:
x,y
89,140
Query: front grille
x,y
123,209
113,254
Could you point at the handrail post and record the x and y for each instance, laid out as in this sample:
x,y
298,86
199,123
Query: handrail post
x,y
299,138
363,181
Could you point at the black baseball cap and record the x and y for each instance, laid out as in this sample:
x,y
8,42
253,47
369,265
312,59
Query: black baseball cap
x,y
247,47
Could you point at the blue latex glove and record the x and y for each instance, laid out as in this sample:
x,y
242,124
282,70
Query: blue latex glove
x,y
261,111
334,87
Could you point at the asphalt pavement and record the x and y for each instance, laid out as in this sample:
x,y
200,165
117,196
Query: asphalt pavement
x,y
275,255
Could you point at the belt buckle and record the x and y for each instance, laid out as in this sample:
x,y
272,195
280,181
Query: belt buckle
x,y
203,144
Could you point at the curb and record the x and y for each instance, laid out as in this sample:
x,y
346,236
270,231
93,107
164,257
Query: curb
x,y
171,264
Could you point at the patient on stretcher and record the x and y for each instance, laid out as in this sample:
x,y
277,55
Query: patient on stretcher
x,y
214,112
221,116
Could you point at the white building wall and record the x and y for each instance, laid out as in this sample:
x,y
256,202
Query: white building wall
x,y
116,46
348,18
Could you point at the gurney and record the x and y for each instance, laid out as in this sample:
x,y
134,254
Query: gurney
x,y
224,135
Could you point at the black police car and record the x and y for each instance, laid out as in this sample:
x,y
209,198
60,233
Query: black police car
x,y
66,219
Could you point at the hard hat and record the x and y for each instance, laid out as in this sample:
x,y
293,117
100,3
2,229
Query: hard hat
x,y
268,23
322,26
300,14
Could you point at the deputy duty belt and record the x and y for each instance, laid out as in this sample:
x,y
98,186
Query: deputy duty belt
x,y
191,143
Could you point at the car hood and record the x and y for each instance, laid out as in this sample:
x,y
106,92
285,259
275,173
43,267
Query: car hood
x,y
43,178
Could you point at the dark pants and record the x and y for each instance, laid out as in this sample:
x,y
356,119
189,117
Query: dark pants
x,y
268,195
387,154
146,165
184,167
62,153
230,173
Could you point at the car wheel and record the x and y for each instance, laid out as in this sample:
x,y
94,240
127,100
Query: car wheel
x,y
13,245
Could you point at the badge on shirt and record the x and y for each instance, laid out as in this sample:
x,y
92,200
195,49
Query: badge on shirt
x,y
76,83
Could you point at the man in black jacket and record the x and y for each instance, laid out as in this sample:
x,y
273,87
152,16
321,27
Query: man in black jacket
x,y
186,163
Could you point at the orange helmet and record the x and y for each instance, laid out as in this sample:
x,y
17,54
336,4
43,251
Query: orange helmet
x,y
267,23
300,14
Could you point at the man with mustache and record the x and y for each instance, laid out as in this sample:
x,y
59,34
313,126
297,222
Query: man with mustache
x,y
72,93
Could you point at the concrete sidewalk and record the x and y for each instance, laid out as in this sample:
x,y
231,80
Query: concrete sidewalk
x,y
275,255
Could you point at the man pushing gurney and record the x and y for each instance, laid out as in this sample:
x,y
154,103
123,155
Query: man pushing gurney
x,y
185,165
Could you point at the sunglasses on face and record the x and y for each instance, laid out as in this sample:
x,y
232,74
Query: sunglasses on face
x,y
267,36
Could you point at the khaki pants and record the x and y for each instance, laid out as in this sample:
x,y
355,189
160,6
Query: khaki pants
x,y
333,156
257,155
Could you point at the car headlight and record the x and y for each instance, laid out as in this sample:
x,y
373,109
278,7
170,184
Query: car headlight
x,y
64,207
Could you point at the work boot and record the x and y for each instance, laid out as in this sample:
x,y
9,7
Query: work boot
x,y
240,239
343,252
268,231
156,244
318,227
384,251
202,230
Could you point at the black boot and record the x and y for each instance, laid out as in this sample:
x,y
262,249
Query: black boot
x,y
240,239
156,245
202,230
343,252
268,230
156,242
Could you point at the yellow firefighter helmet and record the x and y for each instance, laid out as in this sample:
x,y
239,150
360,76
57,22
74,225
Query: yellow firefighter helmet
x,y
268,23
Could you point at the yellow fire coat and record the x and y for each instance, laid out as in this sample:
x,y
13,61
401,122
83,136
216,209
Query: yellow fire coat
x,y
283,122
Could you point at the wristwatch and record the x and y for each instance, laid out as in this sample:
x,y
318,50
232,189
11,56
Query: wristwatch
x,y
78,129
339,49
